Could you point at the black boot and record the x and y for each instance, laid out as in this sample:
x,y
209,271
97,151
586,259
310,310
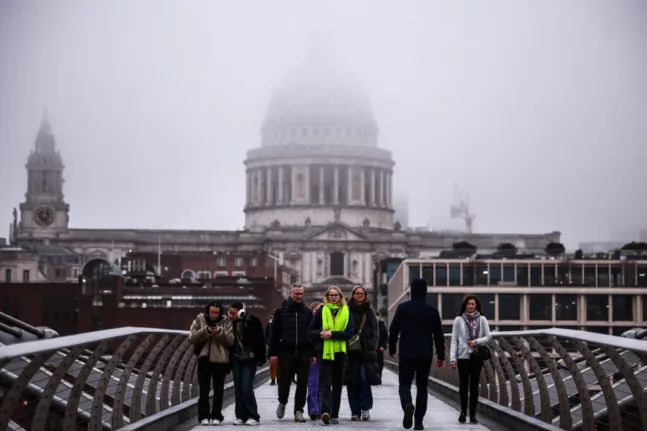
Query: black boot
x,y
273,382
418,426
473,420
461,418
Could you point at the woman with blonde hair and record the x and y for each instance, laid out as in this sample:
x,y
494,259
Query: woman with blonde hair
x,y
331,328
313,379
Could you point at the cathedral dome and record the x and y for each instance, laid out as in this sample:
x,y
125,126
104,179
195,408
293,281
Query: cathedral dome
x,y
319,103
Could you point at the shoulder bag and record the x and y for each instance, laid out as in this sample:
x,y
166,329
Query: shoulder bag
x,y
482,352
354,343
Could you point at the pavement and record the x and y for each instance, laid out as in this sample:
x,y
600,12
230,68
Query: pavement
x,y
385,415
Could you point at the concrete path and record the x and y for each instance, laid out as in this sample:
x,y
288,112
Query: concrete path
x,y
386,413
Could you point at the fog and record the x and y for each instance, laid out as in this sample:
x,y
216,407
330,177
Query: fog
x,y
537,109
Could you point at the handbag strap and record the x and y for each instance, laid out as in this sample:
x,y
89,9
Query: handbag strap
x,y
361,325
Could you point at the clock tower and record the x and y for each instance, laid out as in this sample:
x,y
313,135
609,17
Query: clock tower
x,y
44,214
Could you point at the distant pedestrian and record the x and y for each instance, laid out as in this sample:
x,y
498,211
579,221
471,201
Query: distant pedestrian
x,y
313,379
382,343
418,326
247,354
212,334
292,348
470,337
268,336
331,327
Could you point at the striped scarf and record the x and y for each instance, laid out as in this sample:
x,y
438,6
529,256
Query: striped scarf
x,y
472,320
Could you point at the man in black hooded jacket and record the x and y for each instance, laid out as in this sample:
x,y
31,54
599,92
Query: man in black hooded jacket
x,y
418,326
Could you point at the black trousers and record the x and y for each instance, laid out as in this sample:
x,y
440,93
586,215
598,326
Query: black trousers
x,y
289,364
469,374
210,373
408,367
380,360
331,381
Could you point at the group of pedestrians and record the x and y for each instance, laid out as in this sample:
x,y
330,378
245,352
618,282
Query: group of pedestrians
x,y
332,344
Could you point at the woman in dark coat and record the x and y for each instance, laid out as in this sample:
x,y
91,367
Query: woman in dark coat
x,y
363,369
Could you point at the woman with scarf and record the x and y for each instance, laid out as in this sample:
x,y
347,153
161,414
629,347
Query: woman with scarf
x,y
212,334
330,329
470,331
363,369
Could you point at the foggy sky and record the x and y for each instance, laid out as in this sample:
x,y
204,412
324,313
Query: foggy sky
x,y
538,109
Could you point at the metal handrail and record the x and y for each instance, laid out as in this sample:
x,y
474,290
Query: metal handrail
x,y
99,380
575,380
22,325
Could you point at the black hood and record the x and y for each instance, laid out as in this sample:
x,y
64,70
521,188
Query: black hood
x,y
218,305
418,289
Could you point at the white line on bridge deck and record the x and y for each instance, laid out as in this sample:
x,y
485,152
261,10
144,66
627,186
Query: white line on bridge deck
x,y
386,413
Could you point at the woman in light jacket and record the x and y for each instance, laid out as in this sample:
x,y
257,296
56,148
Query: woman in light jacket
x,y
212,334
470,330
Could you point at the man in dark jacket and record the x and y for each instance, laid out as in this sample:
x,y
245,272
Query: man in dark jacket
x,y
382,342
291,347
418,326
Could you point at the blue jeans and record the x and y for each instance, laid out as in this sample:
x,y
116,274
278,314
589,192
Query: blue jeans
x,y
243,374
313,389
360,396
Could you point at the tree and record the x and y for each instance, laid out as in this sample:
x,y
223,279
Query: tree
x,y
555,248
579,255
506,249
464,248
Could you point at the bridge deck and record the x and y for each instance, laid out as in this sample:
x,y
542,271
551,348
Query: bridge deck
x,y
386,413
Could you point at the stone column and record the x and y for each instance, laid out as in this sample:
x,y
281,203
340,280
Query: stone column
x,y
249,188
321,185
281,197
372,187
349,185
306,184
293,188
268,186
382,194
335,192
388,189
362,188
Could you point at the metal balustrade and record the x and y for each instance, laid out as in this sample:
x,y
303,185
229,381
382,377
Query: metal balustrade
x,y
101,380
573,380
111,379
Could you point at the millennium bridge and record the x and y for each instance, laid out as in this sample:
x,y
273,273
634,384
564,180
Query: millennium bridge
x,y
146,379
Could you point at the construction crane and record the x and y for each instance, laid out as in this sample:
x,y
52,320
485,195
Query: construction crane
x,y
462,210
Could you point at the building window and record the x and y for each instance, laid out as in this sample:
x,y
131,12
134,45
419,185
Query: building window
x,y
597,308
540,306
565,307
487,304
623,308
222,261
7,276
451,303
253,262
337,263
238,262
25,276
509,306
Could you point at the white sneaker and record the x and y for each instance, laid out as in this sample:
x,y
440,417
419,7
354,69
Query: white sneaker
x,y
215,422
205,422
239,422
252,422
366,415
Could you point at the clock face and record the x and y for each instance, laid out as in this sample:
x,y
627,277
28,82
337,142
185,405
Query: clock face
x,y
44,216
